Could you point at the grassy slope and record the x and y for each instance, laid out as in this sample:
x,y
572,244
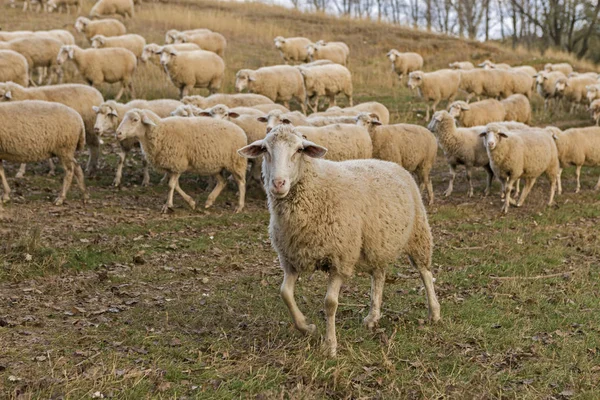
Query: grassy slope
x,y
116,298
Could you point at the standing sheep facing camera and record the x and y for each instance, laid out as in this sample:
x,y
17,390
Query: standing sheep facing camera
x,y
131,42
103,8
292,49
435,86
327,80
203,145
579,147
278,83
316,224
209,41
193,69
13,68
517,108
404,63
106,27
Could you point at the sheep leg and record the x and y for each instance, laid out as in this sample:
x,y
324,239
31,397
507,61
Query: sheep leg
x,y
421,259
490,178
69,166
173,179
331,304
80,181
146,180
132,90
507,189
287,294
6,194
350,100
560,171
221,182
92,164
52,167
188,199
119,173
578,175
120,92
332,102
529,182
597,187
184,91
448,191
427,113
553,178
377,282
21,172
240,180
470,180
41,74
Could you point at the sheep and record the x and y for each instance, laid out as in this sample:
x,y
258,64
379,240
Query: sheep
x,y
230,100
265,108
335,54
344,141
131,42
110,114
573,90
276,117
204,145
461,146
97,66
527,69
223,112
57,4
371,107
595,111
517,108
341,45
592,75
592,92
152,51
516,82
516,154
32,131
293,48
579,147
327,80
487,64
382,219
479,113
106,27
464,65
315,64
413,147
565,68
193,69
546,85
81,98
63,36
13,67
209,41
330,120
171,35
404,63
102,8
435,86
481,82
279,82
40,52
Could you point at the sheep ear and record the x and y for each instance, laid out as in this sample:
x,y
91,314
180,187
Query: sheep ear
x,y
465,107
233,114
96,109
113,113
70,51
374,115
253,150
8,95
554,136
204,114
262,119
502,134
286,121
482,134
312,149
147,121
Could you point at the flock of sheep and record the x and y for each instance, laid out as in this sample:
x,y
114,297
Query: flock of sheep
x,y
254,139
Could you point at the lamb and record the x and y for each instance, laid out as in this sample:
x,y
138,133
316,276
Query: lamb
x,y
579,147
103,8
461,146
370,107
592,92
131,42
361,229
464,65
32,131
404,63
435,86
40,52
276,117
516,154
411,146
204,145
595,110
327,80
80,98
573,89
152,51
13,68
110,114
487,64
335,54
209,41
193,69
517,108
292,49
97,66
230,100
278,83
53,5
546,85
106,27
476,114
565,68
171,35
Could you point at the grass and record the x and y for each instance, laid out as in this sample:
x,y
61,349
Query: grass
x,y
115,299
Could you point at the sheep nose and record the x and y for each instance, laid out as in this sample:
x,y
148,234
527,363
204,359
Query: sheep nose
x,y
96,130
278,183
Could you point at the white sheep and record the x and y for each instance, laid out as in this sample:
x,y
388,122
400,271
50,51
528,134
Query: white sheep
x,y
521,153
404,63
152,51
193,69
209,41
33,131
106,27
362,228
592,92
595,111
435,86
97,66
345,48
292,49
481,82
573,90
103,8
565,68
40,52
579,147
476,114
370,107
464,65
171,34
327,80
335,54
517,108
57,5
344,141
13,67
230,100
546,85
276,117
487,64
131,42
278,83
175,145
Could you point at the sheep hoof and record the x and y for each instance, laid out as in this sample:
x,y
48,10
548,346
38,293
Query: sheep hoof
x,y
192,205
59,202
238,209
329,350
19,176
447,193
576,190
167,208
146,183
310,330
116,184
370,323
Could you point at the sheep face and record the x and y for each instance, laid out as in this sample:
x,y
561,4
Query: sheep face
x,y
595,109
284,153
311,49
279,41
134,124
367,120
107,120
560,86
415,79
548,67
180,37
66,52
592,93
98,41
243,79
170,36
487,64
183,111
219,112
392,55
81,24
457,108
273,119
438,118
150,50
51,5
492,136
167,55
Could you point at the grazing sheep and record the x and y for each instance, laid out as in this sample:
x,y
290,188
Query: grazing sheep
x,y
315,223
292,49
479,113
276,117
435,86
131,42
413,147
193,69
370,107
106,27
326,80
579,147
487,64
464,65
573,90
592,92
56,5
595,111
230,100
81,98
516,154
153,51
40,52
203,145
546,85
461,146
209,41
110,114
404,63
171,35
97,66
565,68
517,108
103,8
335,54
13,68
33,131
278,83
